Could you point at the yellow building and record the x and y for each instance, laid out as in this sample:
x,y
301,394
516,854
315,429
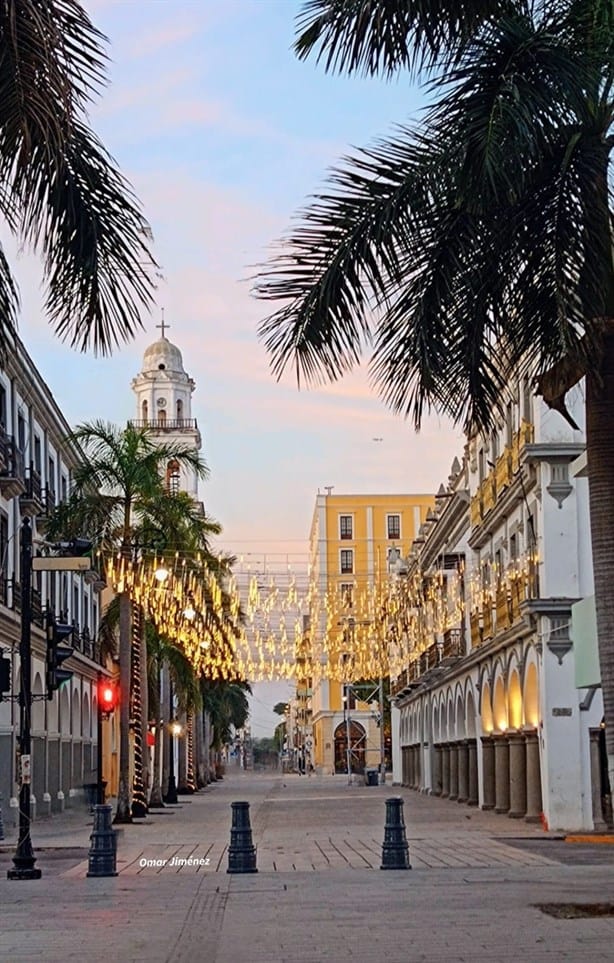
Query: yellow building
x,y
354,541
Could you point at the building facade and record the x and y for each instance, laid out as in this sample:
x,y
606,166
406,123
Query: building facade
x,y
163,401
163,393
354,540
36,463
489,710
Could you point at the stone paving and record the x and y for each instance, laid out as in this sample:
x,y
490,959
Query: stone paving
x,y
318,895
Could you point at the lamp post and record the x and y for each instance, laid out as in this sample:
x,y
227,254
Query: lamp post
x,y
24,858
348,731
382,741
173,730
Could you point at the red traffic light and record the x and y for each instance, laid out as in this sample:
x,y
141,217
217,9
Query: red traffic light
x,y
107,696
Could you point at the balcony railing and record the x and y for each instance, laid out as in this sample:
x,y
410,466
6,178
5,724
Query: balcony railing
x,y
452,639
12,468
501,476
166,424
31,499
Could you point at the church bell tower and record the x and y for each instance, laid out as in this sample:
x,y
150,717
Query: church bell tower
x,y
163,394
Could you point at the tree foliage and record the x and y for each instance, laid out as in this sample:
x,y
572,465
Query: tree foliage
x,y
474,242
61,194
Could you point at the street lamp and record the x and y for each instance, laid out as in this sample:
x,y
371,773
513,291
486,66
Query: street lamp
x,y
24,858
174,730
377,711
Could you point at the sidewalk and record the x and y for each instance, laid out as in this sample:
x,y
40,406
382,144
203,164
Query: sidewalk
x,y
319,893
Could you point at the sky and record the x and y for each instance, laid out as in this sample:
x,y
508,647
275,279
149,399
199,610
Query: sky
x,y
224,134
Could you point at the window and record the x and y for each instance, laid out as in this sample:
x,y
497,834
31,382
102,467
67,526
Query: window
x,y
145,411
2,407
179,410
173,477
347,561
21,433
345,526
37,454
346,591
527,401
51,475
4,543
494,447
481,466
64,488
393,523
513,547
509,424
75,605
162,417
349,697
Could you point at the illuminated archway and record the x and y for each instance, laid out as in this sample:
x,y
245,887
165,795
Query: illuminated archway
x,y
486,710
499,706
514,702
358,744
531,696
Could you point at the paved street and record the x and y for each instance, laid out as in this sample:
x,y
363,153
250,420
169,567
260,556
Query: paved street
x,y
319,893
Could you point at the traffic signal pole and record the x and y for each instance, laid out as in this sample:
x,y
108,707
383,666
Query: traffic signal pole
x,y
24,858
100,790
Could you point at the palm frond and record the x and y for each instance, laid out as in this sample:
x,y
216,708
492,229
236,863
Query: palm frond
x,y
474,262
383,36
337,265
108,630
61,192
84,217
9,304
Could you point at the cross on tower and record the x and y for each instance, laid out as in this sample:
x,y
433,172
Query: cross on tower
x,y
162,325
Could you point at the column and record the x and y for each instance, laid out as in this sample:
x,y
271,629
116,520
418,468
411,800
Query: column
x,y
598,821
502,773
534,784
410,767
419,766
445,770
463,771
436,786
472,769
518,775
454,771
488,772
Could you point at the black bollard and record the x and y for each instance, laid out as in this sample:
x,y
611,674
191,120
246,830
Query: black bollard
x,y
103,849
395,851
241,852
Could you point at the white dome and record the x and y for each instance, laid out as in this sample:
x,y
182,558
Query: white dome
x,y
163,356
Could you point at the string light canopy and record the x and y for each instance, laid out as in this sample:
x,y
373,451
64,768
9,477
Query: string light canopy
x,y
267,626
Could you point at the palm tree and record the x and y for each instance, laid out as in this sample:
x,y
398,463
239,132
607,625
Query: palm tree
x,y
477,242
121,474
61,194
228,708
173,522
161,652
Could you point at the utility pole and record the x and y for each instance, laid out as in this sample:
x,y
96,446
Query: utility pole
x,y
24,858
348,732
171,792
382,741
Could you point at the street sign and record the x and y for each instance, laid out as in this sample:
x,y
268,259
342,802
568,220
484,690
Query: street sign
x,y
58,564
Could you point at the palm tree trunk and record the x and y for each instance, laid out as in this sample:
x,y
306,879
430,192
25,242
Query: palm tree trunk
x,y
155,798
191,768
145,716
139,801
123,793
600,455
165,727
